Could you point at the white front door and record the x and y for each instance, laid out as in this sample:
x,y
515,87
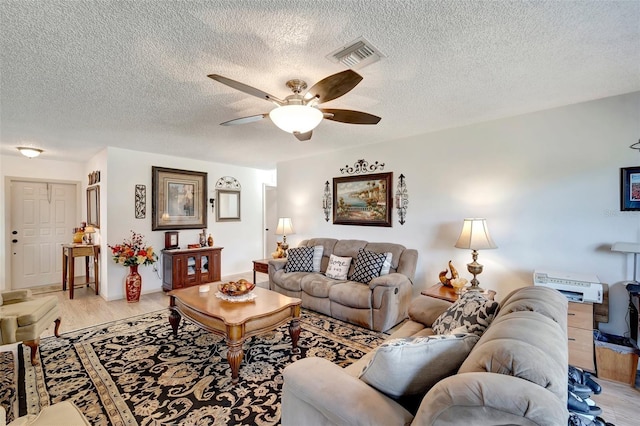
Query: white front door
x,y
270,220
43,216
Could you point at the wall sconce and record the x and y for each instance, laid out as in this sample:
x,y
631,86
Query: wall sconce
x,y
402,199
212,201
326,201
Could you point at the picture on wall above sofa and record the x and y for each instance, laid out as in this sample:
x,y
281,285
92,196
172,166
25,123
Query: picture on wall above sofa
x,y
363,200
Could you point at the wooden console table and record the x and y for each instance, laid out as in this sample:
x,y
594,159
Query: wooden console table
x,y
69,253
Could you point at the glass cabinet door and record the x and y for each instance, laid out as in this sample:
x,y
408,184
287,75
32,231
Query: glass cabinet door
x,y
205,267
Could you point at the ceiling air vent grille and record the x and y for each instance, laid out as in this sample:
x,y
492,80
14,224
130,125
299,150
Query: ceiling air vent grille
x,y
356,55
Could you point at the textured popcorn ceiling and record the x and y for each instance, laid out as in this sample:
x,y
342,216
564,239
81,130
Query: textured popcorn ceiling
x,y
77,76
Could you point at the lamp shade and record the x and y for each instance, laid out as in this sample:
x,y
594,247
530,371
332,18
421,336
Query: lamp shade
x,y
29,152
475,235
89,230
296,118
285,226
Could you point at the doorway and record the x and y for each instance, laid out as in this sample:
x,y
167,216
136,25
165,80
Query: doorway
x,y
43,215
270,220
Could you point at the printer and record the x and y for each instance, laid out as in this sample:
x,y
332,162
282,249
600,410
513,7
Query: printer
x,y
583,288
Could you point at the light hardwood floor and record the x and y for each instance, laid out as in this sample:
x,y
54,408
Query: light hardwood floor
x,y
620,402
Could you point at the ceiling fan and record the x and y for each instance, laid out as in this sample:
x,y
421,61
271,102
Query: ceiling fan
x,y
299,114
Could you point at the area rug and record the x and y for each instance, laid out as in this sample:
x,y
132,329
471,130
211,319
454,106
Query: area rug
x,y
135,372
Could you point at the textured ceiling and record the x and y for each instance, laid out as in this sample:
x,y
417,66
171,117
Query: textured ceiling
x,y
77,76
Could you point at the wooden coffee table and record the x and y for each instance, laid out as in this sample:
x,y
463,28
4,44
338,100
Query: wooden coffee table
x,y
236,321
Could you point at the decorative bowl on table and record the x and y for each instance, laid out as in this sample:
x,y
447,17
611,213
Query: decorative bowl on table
x,y
236,288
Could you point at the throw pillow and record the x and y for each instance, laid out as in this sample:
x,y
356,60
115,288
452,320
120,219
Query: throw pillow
x,y
402,367
386,266
368,265
471,310
338,267
299,259
317,258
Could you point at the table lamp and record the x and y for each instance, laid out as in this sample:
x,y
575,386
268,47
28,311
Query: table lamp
x,y
285,227
88,230
475,236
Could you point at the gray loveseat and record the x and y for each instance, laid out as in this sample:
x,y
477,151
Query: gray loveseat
x,y
378,305
515,374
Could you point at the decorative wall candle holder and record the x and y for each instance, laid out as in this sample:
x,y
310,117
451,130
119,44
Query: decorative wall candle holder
x,y
326,201
402,199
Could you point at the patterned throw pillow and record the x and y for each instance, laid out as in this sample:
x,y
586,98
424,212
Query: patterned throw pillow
x,y
368,265
338,267
299,259
413,365
317,258
471,310
386,266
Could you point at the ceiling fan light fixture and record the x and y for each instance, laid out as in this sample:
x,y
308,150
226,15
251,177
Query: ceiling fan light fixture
x,y
29,152
296,118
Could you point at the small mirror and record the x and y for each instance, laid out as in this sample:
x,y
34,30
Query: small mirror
x,y
227,205
93,206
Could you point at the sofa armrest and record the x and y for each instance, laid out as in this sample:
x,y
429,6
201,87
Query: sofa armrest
x,y
389,280
277,264
490,398
14,296
316,391
425,309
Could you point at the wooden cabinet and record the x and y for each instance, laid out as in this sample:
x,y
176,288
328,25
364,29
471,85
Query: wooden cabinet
x,y
580,333
189,267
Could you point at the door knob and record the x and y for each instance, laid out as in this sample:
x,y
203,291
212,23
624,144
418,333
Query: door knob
x,y
14,232
14,241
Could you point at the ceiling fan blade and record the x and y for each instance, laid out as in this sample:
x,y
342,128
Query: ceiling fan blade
x,y
334,86
350,116
244,120
303,136
245,88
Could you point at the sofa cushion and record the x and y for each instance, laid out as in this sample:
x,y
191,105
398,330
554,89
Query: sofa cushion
x,y
472,310
367,266
300,259
410,366
352,294
338,267
317,285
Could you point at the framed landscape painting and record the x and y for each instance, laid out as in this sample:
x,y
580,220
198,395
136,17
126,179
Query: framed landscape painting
x,y
363,200
630,188
178,199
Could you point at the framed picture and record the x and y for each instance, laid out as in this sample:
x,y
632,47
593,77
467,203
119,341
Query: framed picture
x,y
363,200
171,240
630,189
178,199
93,206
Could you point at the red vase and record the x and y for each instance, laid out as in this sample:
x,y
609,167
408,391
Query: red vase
x,y
133,284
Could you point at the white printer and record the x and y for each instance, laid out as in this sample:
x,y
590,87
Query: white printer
x,y
582,288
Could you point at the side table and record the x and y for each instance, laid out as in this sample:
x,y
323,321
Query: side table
x,y
69,253
261,266
439,291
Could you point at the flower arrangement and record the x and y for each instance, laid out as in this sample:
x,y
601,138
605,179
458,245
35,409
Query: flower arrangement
x,y
133,252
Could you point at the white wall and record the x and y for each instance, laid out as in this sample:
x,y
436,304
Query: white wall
x,y
242,241
547,182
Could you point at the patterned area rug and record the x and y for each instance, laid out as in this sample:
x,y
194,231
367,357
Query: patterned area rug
x,y
135,372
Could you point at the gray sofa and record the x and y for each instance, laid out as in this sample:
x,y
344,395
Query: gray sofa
x,y
378,305
515,374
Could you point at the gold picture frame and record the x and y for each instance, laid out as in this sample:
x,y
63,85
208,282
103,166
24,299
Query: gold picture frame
x,y
178,199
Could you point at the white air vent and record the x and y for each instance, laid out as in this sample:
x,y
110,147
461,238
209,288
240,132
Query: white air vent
x,y
356,55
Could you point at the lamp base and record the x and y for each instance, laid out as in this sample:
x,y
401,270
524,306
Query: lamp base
x,y
474,269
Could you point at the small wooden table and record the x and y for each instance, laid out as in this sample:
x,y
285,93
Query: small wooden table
x,y
439,291
69,253
235,321
262,266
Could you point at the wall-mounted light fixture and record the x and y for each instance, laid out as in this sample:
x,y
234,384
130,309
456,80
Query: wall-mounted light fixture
x,y
29,152
402,199
326,201
212,201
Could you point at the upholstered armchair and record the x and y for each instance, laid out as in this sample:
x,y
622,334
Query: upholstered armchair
x,y
23,318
